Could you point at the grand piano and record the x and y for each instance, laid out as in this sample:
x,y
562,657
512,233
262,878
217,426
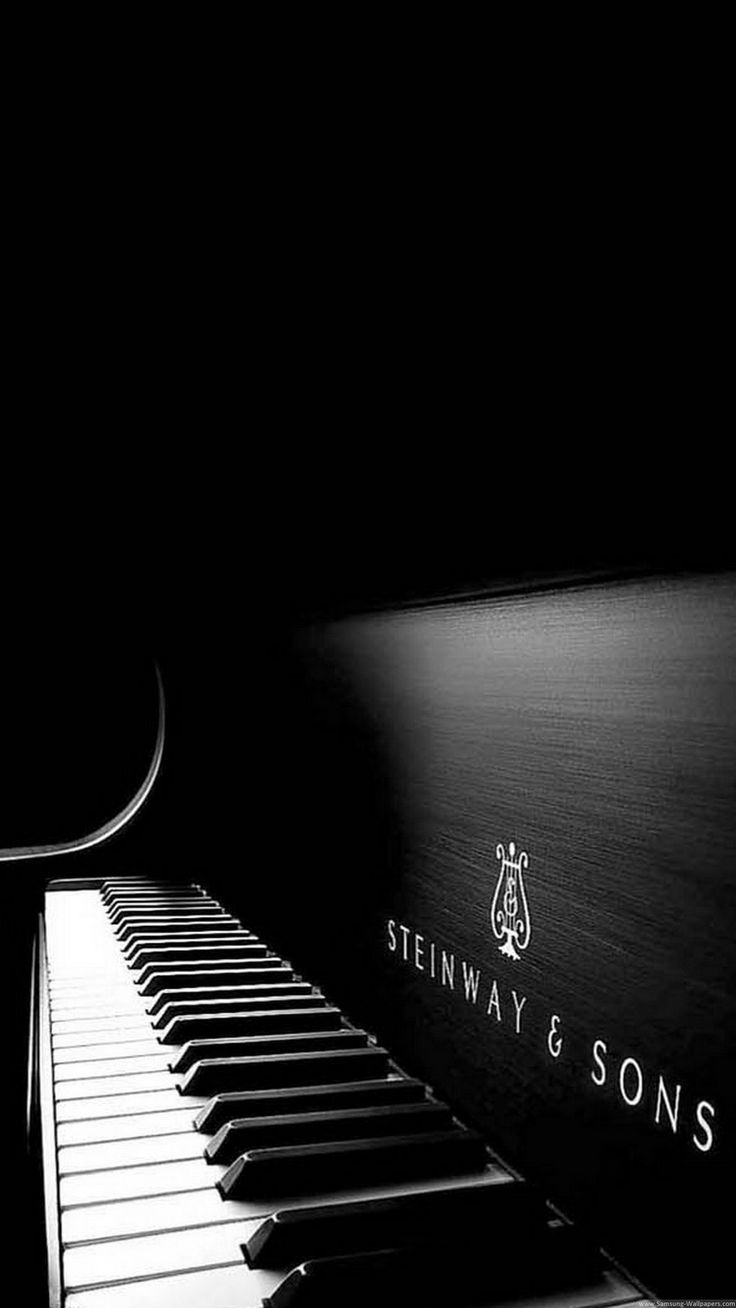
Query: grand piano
x,y
405,974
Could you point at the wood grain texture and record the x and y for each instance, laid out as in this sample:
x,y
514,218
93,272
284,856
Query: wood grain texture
x,y
596,727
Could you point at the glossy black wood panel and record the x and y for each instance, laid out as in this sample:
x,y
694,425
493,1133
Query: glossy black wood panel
x,y
595,727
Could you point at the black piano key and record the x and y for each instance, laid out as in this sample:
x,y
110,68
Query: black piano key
x,y
277,984
124,916
113,898
245,1134
215,925
173,917
142,878
153,977
293,1235
213,1076
239,945
121,913
142,891
217,928
143,917
175,926
196,940
182,948
150,903
262,1045
145,879
273,969
191,939
115,884
532,1263
117,913
150,895
266,996
132,917
146,901
352,1162
270,1002
224,1108
140,886
258,1022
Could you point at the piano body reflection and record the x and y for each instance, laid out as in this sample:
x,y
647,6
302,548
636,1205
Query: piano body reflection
x,y
455,1026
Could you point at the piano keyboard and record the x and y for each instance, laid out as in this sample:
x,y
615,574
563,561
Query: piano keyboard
x,y
226,1138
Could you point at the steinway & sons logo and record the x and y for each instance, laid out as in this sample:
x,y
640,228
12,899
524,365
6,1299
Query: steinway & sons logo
x,y
510,910
621,1074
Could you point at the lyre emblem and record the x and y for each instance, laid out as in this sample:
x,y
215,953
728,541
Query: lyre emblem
x,y
509,910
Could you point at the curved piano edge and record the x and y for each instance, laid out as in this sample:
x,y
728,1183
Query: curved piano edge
x,y
121,819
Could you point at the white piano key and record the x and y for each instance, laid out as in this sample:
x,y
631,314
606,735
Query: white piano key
x,y
65,1007
114,975
127,1007
102,1086
138,1182
238,1287
95,990
136,1259
168,1251
76,1053
90,954
147,1216
72,990
98,1039
70,1013
137,1126
90,1026
129,1153
95,956
155,1255
172,1212
225,1287
105,964
86,1068
154,1101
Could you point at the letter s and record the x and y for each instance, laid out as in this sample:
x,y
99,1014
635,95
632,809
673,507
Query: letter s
x,y
702,1106
392,935
599,1061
